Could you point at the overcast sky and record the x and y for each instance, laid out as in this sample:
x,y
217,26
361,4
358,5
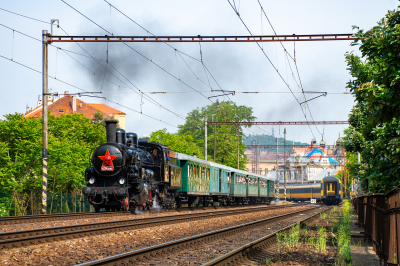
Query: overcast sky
x,y
235,66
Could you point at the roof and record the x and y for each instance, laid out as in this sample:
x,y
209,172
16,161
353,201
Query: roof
x,y
323,173
37,110
63,105
106,109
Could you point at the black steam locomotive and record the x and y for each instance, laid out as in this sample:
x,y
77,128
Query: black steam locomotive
x,y
125,176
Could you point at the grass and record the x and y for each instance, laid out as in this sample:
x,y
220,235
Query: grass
x,y
343,234
339,233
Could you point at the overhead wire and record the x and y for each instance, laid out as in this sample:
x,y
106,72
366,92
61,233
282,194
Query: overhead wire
x,y
65,50
294,60
40,72
200,61
269,60
145,57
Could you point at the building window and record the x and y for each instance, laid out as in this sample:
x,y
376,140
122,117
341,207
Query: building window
x,y
61,110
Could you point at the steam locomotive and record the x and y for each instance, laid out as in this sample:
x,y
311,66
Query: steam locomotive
x,y
124,176
127,174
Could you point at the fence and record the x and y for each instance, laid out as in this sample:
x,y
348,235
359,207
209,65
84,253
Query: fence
x,y
379,215
12,204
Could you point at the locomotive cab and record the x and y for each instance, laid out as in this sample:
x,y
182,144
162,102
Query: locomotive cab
x,y
331,192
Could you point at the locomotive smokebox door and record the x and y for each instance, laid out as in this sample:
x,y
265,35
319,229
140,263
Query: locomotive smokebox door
x,y
107,160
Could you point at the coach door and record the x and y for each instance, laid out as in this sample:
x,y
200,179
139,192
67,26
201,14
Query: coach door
x,y
330,189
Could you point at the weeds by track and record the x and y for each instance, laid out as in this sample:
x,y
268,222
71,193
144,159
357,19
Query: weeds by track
x,y
140,255
245,254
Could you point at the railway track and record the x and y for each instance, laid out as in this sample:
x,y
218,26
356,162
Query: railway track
x,y
41,235
255,251
55,217
71,216
141,256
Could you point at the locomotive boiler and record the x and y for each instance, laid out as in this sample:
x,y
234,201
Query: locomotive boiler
x,y
127,174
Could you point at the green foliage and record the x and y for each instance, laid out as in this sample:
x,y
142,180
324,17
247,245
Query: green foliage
x,y
70,141
289,239
183,143
375,120
343,234
193,131
322,239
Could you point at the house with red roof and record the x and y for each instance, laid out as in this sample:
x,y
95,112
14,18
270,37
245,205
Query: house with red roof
x,y
70,104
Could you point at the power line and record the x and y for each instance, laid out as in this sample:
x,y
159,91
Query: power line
x,y
180,52
145,57
64,50
146,97
295,62
271,64
37,71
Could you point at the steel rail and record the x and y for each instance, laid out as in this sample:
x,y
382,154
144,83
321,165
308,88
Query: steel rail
x,y
26,237
198,38
71,216
249,250
132,257
56,217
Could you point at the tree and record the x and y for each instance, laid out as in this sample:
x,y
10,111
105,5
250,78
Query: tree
x,y
226,137
183,143
71,139
99,118
375,119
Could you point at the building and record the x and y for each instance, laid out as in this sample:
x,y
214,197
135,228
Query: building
x,y
266,161
302,164
70,104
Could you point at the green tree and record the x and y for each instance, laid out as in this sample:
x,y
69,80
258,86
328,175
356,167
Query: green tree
x,y
375,119
183,143
227,135
71,139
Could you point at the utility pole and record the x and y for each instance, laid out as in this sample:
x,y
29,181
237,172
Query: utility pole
x,y
215,129
205,138
284,162
238,139
277,173
45,119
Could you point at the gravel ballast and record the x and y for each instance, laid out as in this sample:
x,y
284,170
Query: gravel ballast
x,y
70,252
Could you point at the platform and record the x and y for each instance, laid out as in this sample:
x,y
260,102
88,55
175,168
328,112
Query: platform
x,y
362,253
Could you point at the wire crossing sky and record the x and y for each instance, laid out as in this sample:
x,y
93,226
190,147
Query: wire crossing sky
x,y
127,77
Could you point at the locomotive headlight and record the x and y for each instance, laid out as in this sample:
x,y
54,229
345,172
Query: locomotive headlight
x,y
92,180
122,181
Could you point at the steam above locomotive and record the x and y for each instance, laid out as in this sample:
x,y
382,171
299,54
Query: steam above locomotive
x,y
125,175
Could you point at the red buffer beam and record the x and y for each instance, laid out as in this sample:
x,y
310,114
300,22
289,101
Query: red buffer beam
x,y
254,38
282,123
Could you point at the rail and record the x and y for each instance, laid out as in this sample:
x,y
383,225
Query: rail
x,y
379,215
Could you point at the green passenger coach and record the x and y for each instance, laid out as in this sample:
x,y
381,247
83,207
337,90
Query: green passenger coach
x,y
205,183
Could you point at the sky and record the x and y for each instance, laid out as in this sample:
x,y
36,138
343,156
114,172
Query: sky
x,y
176,68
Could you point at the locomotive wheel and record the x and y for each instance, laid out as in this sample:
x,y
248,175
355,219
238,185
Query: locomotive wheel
x,y
96,208
179,204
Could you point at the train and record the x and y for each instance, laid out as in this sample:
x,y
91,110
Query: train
x,y
129,174
328,191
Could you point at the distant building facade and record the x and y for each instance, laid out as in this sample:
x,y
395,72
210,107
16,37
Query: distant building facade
x,y
302,164
70,104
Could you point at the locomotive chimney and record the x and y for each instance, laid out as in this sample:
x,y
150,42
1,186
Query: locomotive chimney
x,y
111,130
